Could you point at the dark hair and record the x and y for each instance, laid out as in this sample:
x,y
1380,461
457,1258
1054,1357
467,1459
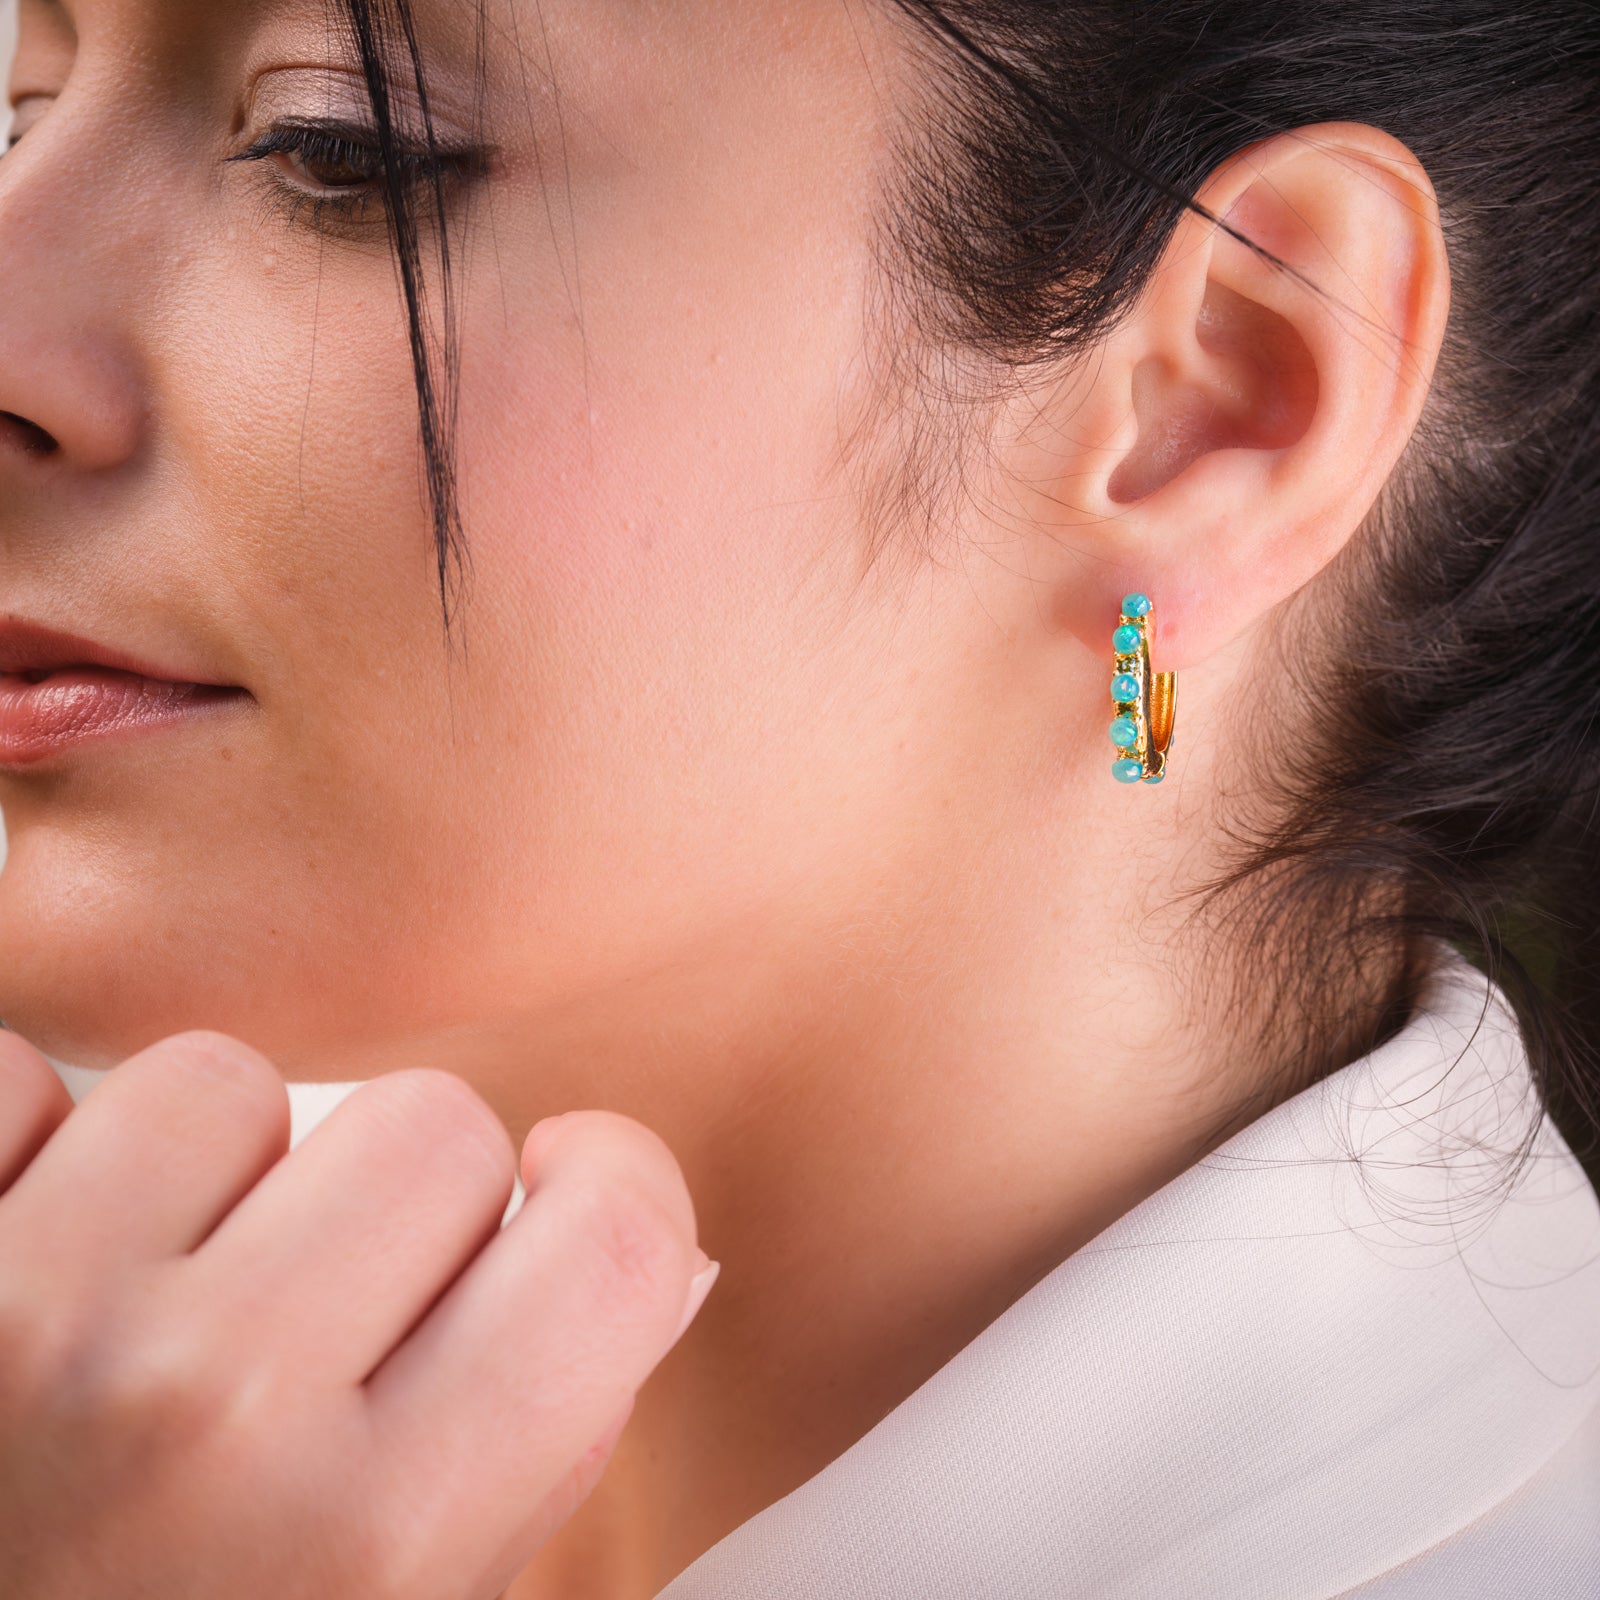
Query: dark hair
x,y
382,39
1453,790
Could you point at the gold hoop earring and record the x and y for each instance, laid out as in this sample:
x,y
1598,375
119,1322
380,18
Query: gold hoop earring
x,y
1146,701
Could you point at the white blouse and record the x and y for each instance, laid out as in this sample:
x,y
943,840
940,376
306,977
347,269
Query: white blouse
x,y
1343,1355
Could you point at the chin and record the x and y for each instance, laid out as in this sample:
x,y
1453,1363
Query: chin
x,y
68,995
99,958
104,951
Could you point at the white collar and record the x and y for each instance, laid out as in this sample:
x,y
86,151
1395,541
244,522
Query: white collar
x,y
1321,1350
1324,1348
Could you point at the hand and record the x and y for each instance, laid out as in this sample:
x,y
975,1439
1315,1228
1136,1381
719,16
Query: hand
x,y
228,1370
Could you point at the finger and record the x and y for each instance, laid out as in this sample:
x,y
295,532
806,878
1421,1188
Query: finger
x,y
151,1161
337,1252
481,1414
33,1104
560,1506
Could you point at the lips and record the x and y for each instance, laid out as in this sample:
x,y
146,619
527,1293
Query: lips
x,y
58,691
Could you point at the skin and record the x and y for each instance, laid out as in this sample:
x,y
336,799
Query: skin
x,y
229,1373
809,863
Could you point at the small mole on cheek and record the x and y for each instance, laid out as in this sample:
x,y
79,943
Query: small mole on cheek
x,y
227,755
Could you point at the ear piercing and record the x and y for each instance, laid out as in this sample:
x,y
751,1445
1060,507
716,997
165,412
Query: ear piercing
x,y
1146,702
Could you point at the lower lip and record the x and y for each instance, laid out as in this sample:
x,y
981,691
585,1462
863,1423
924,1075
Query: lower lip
x,y
78,704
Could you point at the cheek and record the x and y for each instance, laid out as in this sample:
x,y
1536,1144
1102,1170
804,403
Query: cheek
x,y
616,759
197,880
648,731
637,662
653,484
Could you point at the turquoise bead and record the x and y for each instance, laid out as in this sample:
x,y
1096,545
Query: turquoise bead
x,y
1136,605
1156,777
1125,641
1125,770
1124,687
1124,733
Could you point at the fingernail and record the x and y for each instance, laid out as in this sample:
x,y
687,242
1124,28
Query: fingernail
x,y
699,1288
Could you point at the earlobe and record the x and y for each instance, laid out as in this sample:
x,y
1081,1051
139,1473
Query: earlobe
x,y
1238,425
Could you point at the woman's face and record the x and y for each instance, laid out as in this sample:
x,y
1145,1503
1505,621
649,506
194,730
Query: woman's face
x,y
680,719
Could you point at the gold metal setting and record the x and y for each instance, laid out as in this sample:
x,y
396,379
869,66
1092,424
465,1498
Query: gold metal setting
x,y
1153,709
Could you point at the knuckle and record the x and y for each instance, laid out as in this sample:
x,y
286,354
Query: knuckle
x,y
37,1341
640,1145
30,1091
124,1363
161,1387
220,1064
623,1144
634,1239
457,1121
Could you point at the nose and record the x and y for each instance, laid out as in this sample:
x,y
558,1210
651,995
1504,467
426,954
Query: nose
x,y
27,435
70,386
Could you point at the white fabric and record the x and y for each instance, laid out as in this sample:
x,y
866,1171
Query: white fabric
x,y
1537,1544
1330,1351
1343,1355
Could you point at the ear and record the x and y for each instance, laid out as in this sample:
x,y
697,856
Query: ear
x,y
1234,429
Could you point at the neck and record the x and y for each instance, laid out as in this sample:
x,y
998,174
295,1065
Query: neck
x,y
879,1187
893,1126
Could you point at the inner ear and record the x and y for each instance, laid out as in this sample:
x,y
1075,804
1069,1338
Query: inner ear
x,y
1249,383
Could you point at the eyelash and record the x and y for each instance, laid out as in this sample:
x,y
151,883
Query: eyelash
x,y
356,148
